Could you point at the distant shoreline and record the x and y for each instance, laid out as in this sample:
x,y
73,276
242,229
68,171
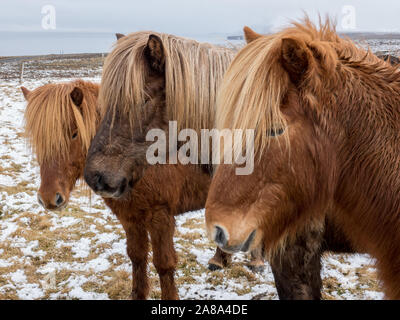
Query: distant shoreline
x,y
371,35
10,59
357,36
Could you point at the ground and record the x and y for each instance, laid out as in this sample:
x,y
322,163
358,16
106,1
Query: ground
x,y
80,253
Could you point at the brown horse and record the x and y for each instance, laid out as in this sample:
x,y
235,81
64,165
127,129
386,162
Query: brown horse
x,y
326,116
149,79
60,122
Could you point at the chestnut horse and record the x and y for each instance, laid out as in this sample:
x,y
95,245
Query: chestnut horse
x,y
326,115
148,80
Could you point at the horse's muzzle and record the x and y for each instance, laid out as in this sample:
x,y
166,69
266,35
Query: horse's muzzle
x,y
56,202
102,185
221,238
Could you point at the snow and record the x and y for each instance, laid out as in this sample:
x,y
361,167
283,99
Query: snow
x,y
26,248
80,248
18,277
63,222
7,230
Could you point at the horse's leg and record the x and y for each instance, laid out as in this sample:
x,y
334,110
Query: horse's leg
x,y
161,230
220,260
297,269
137,248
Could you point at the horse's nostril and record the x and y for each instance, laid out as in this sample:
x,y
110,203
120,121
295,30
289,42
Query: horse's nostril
x,y
98,182
40,200
220,237
122,185
59,199
249,241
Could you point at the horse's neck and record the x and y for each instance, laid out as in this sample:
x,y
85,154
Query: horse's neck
x,y
369,155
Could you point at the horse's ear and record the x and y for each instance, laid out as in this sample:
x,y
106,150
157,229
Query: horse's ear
x,y
389,58
250,35
77,96
155,54
294,58
119,35
26,92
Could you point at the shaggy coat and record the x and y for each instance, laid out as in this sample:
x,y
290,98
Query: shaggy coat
x,y
326,115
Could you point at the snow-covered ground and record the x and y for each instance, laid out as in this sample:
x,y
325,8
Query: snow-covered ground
x,y
80,253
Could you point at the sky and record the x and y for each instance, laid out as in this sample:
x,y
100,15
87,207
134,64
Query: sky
x,y
196,17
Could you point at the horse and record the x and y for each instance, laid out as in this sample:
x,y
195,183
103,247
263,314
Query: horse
x,y
60,122
326,121
150,79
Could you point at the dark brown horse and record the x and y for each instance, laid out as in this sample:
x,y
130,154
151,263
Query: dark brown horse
x,y
149,79
326,116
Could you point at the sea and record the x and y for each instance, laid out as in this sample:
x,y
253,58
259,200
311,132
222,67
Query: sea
x,y
48,42
59,42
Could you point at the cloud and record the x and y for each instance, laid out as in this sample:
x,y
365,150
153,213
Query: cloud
x,y
190,16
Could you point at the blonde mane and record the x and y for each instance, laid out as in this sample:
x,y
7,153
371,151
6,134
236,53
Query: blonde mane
x,y
255,84
193,73
51,118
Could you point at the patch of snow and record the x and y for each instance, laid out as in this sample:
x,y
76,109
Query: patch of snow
x,y
6,230
63,222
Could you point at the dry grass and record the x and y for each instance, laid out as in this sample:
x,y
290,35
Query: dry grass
x,y
55,66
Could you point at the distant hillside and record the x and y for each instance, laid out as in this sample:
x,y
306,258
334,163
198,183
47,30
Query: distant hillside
x,y
371,35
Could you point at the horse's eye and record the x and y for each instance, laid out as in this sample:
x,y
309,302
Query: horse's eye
x,y
275,132
74,135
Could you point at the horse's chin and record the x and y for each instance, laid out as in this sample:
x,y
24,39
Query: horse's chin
x,y
236,249
107,195
59,208
230,250
117,195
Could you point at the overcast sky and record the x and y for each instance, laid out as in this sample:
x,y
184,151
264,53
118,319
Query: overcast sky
x,y
191,16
